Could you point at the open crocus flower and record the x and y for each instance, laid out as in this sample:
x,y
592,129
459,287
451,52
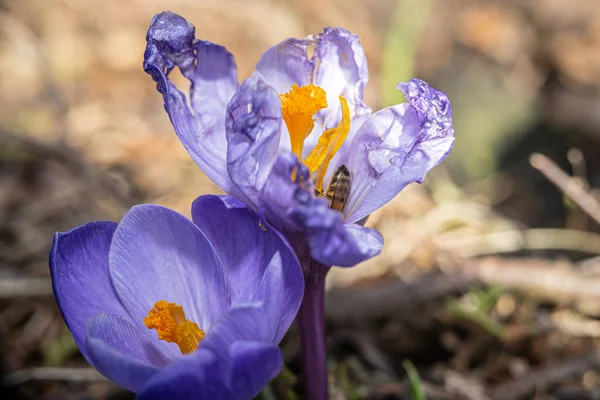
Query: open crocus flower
x,y
295,141
174,309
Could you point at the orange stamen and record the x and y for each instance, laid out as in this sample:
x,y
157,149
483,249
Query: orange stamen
x,y
171,325
328,145
298,106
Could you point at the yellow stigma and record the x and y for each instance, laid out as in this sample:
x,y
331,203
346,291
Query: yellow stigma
x,y
329,143
171,325
297,108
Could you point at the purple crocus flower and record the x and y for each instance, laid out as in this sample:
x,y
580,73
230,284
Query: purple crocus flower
x,y
174,309
277,140
296,143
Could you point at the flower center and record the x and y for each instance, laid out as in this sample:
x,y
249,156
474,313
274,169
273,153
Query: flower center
x,y
171,325
298,106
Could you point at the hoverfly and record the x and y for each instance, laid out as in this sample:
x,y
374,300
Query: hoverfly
x,y
339,189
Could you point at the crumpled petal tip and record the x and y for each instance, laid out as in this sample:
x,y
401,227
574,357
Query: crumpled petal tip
x,y
171,29
435,112
431,103
337,31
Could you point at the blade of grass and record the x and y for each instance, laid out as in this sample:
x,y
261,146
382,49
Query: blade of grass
x,y
416,386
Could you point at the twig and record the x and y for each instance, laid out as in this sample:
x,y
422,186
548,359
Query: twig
x,y
53,374
544,377
567,184
555,281
353,304
515,240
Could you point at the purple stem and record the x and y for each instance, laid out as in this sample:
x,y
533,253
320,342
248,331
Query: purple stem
x,y
311,328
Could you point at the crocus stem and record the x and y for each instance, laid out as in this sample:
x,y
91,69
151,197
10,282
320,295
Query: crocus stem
x,y
311,328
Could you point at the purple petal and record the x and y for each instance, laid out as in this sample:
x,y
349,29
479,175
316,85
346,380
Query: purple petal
x,y
342,70
331,241
122,353
281,308
80,276
213,75
285,64
158,254
250,322
397,146
239,373
198,376
253,130
287,187
291,206
253,364
214,81
260,264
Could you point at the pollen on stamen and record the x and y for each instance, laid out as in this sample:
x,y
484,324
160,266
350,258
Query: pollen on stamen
x,y
298,106
327,146
172,326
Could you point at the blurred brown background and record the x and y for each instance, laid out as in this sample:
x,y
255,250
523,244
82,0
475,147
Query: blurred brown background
x,y
489,280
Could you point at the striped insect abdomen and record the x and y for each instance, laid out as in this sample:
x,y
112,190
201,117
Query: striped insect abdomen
x,y
339,189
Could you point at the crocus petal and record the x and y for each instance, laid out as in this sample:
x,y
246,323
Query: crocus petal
x,y
198,376
158,254
288,186
331,241
397,146
249,322
239,374
212,72
342,70
280,308
120,352
253,365
286,64
253,130
80,276
260,264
